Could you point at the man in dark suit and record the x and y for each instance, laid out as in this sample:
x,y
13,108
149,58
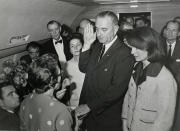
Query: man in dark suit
x,y
57,44
108,67
173,45
33,49
9,101
173,51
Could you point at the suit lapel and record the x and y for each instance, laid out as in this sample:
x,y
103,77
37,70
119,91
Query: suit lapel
x,y
52,46
97,54
176,49
109,52
65,49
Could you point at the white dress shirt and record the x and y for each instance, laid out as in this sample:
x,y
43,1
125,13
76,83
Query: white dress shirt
x,y
107,46
60,50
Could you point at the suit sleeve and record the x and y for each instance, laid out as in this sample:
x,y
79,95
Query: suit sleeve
x,y
47,47
85,57
167,100
84,60
119,84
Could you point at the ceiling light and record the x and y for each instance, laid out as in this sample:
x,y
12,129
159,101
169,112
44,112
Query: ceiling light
x,y
133,1
133,6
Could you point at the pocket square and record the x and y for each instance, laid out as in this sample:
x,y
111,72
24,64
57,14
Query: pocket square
x,y
177,60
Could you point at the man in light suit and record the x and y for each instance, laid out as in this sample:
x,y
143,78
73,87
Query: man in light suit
x,y
108,67
57,44
173,51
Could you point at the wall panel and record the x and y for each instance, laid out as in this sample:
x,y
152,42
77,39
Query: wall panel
x,y
21,17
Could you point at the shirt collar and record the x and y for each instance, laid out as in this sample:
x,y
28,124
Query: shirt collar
x,y
170,44
110,43
153,69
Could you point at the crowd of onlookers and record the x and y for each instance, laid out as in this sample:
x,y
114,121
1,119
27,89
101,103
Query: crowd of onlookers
x,y
55,79
46,90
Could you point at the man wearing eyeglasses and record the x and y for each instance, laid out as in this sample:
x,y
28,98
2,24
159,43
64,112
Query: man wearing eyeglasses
x,y
33,49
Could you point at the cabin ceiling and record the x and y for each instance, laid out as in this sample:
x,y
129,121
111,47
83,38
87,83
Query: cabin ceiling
x,y
105,2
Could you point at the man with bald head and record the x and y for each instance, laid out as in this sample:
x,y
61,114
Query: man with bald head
x,y
108,66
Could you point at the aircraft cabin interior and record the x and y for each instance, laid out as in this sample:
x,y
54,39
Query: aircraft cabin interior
x,y
25,21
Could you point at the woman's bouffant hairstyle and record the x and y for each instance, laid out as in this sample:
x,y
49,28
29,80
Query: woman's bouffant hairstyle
x,y
146,38
77,36
46,64
41,80
49,61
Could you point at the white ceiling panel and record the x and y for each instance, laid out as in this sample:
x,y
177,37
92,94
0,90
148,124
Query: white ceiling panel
x,y
101,2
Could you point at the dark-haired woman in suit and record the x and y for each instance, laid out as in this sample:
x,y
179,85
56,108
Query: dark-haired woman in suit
x,y
149,104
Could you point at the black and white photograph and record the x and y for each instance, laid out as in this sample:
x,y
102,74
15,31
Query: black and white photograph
x,y
89,65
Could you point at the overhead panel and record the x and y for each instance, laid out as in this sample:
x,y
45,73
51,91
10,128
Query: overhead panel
x,y
101,2
127,1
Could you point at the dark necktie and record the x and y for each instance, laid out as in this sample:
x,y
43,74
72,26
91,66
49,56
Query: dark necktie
x,y
102,52
169,51
59,41
139,75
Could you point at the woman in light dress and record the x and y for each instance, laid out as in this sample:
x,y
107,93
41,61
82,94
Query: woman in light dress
x,y
76,77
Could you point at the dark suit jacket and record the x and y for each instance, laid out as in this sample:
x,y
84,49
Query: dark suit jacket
x,y
174,65
48,47
174,62
105,85
9,121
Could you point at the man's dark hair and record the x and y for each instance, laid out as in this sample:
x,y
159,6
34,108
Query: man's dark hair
x,y
177,18
77,36
53,22
34,45
2,85
110,14
174,22
66,28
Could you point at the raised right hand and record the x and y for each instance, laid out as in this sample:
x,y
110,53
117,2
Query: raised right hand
x,y
89,36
